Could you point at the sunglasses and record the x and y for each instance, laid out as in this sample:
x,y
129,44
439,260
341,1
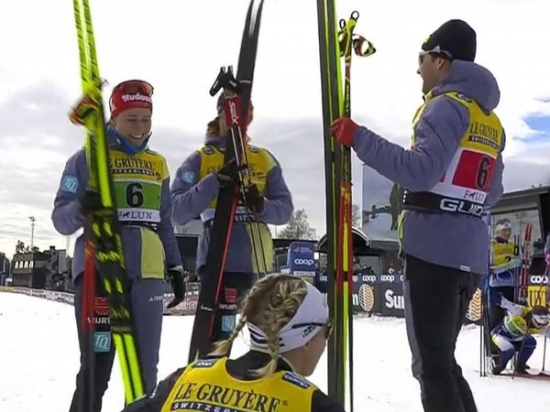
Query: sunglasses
x,y
135,86
435,52
328,324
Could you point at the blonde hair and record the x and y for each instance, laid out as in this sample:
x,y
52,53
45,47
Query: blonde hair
x,y
270,305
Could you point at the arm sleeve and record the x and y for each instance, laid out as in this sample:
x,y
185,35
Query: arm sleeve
x,y
322,403
278,199
156,400
166,228
66,216
496,189
438,134
512,308
191,197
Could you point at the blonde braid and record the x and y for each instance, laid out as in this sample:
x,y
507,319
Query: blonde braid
x,y
222,348
279,307
270,305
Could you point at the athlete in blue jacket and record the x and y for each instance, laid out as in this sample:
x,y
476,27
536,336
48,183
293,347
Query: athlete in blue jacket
x,y
194,192
142,195
452,173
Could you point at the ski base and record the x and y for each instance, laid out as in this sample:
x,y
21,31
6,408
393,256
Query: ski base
x,y
532,374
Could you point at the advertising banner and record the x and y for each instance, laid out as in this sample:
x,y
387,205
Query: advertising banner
x,y
301,261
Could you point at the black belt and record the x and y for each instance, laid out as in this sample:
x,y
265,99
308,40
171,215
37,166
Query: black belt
x,y
240,218
432,202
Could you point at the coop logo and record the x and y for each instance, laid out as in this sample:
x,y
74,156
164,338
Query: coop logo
x,y
368,278
387,278
539,280
306,262
394,301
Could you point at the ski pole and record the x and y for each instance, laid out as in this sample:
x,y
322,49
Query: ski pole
x,y
348,42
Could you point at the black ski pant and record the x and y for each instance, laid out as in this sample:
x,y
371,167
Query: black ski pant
x,y
234,287
103,361
147,305
436,302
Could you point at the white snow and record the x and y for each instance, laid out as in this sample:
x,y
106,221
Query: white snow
x,y
39,361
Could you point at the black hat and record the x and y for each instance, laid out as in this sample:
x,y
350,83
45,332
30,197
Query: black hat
x,y
455,38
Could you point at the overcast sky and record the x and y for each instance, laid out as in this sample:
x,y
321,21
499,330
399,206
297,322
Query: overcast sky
x,y
179,46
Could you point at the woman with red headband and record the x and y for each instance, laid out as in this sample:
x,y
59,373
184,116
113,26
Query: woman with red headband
x,y
142,194
268,201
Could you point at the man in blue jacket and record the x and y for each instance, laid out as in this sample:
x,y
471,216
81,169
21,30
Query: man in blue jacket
x,y
194,192
451,173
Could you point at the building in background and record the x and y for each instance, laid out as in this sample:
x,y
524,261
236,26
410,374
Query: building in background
x,y
41,270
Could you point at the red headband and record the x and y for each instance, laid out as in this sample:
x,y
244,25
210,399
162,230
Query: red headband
x,y
122,100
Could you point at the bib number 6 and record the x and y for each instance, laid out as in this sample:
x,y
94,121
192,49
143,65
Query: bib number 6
x,y
134,195
483,172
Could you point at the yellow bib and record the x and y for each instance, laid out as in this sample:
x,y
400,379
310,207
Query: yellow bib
x,y
502,252
260,163
464,185
206,386
138,182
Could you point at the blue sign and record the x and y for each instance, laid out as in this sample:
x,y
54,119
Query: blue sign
x,y
102,342
301,257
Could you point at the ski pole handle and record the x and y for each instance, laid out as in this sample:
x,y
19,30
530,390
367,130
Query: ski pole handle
x,y
362,47
226,80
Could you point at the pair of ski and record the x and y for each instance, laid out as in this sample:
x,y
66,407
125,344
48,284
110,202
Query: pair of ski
x,y
103,248
102,230
335,44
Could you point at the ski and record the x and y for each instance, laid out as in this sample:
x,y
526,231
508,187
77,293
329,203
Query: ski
x,y
532,374
235,109
102,229
331,103
333,45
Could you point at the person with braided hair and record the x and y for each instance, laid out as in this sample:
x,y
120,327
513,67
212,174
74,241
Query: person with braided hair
x,y
288,323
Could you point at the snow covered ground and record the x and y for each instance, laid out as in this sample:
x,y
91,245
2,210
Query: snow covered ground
x,y
39,361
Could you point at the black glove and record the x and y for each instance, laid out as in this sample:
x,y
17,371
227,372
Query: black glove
x,y
254,200
229,173
89,201
179,285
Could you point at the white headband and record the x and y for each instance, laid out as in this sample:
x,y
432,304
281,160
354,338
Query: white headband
x,y
312,314
505,225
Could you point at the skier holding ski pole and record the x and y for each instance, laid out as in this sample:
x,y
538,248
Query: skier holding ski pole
x,y
141,180
267,201
289,324
451,174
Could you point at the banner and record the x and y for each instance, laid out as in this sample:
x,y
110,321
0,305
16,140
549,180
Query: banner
x,y
185,308
301,261
380,295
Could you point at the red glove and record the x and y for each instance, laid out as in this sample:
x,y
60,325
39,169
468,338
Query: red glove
x,y
344,129
84,107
